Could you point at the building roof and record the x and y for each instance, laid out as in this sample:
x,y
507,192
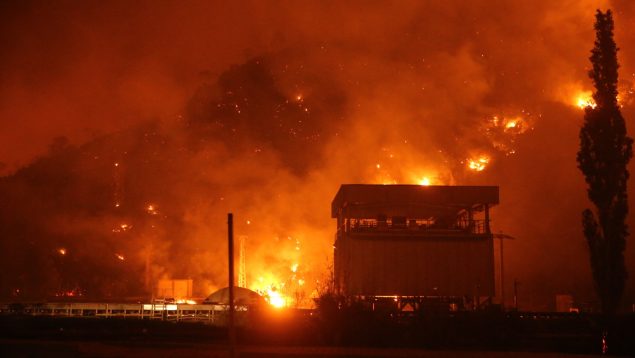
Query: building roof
x,y
242,296
369,200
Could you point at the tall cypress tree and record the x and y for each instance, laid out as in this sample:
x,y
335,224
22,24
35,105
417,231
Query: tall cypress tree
x,y
605,150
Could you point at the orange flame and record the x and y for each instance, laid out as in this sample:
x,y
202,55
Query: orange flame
x,y
151,209
585,99
275,299
478,164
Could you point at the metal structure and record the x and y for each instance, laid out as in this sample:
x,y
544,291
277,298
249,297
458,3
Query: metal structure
x,y
230,254
414,241
205,313
242,263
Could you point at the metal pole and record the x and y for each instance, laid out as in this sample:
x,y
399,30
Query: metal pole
x,y
515,295
502,276
230,245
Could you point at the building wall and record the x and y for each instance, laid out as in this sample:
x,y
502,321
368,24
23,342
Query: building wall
x,y
177,289
384,265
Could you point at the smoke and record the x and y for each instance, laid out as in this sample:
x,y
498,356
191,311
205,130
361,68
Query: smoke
x,y
265,110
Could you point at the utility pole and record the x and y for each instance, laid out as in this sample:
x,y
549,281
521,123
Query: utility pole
x,y
502,236
502,275
516,284
230,247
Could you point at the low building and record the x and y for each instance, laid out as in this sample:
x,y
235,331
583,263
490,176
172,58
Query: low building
x,y
178,290
414,241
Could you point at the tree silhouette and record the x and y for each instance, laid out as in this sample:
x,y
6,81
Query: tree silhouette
x,y
605,151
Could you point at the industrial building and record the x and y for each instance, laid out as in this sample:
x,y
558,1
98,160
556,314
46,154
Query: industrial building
x,y
414,241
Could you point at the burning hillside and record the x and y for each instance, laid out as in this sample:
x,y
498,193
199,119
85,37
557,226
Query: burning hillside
x,y
116,214
265,112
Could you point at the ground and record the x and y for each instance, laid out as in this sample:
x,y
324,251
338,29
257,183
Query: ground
x,y
45,348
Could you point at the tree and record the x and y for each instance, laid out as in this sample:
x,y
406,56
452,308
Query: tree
x,y
605,150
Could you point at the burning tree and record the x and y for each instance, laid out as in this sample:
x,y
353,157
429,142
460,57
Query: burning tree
x,y
605,150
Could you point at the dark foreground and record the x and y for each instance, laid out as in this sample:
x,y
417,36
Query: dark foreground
x,y
292,334
113,349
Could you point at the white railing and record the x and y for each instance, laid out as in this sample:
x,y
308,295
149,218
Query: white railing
x,y
209,313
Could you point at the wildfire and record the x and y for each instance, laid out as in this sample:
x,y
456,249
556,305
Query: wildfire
x,y
283,284
585,99
61,251
424,177
515,125
151,209
478,164
502,131
120,257
272,293
122,228
277,290
275,298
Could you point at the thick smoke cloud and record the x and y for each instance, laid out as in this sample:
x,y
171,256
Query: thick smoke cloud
x,y
265,109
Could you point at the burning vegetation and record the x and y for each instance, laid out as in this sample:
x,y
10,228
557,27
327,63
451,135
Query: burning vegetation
x,y
271,136
134,205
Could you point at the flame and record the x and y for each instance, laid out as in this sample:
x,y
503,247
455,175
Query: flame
x,y
585,99
425,181
478,164
502,132
151,209
61,251
280,286
122,228
120,257
275,299
271,288
515,125
287,282
184,301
